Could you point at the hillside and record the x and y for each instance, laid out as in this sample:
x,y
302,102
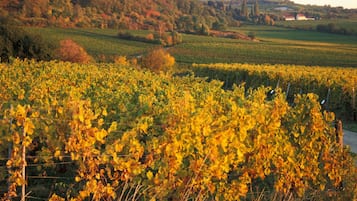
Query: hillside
x,y
161,15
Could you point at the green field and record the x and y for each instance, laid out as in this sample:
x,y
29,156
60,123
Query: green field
x,y
267,33
350,24
276,46
97,42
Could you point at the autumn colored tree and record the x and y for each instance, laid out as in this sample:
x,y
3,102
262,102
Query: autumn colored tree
x,y
158,60
11,5
35,8
72,52
150,36
268,20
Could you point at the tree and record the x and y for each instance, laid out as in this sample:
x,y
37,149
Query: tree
x,y
62,8
268,20
256,8
176,37
12,6
72,52
219,26
37,8
244,10
204,30
78,13
158,60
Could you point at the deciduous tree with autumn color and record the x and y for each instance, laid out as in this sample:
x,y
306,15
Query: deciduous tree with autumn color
x,y
158,60
72,52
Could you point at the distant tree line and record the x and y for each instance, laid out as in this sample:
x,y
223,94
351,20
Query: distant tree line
x,y
333,28
325,28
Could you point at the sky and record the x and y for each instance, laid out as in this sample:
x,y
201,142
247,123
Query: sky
x,y
344,3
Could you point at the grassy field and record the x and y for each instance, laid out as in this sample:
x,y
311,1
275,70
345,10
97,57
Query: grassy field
x,y
276,46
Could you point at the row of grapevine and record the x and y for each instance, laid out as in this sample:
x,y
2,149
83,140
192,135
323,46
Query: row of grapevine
x,y
111,132
336,85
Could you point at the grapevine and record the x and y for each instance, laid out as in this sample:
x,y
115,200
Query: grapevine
x,y
117,128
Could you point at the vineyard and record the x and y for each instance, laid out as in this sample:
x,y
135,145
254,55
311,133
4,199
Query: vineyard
x,y
111,132
336,87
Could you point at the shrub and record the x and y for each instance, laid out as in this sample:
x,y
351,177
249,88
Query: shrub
x,y
150,36
121,60
158,60
72,52
252,35
125,35
219,26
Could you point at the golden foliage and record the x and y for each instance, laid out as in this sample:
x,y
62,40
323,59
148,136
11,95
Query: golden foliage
x,y
150,36
181,138
72,52
121,60
158,60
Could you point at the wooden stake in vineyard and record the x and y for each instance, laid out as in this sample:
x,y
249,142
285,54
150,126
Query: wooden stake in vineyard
x,y
339,133
354,111
23,192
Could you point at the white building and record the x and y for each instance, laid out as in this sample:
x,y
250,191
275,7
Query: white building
x,y
301,17
289,18
297,17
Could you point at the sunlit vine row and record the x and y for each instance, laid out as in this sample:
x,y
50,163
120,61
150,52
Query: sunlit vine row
x,y
336,85
166,137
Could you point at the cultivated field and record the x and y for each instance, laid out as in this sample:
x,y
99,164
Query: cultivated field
x,y
107,131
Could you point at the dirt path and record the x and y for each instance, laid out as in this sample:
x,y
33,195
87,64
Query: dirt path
x,y
350,138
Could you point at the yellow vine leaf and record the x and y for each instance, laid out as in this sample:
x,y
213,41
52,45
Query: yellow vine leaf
x,y
149,175
28,126
113,127
55,197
